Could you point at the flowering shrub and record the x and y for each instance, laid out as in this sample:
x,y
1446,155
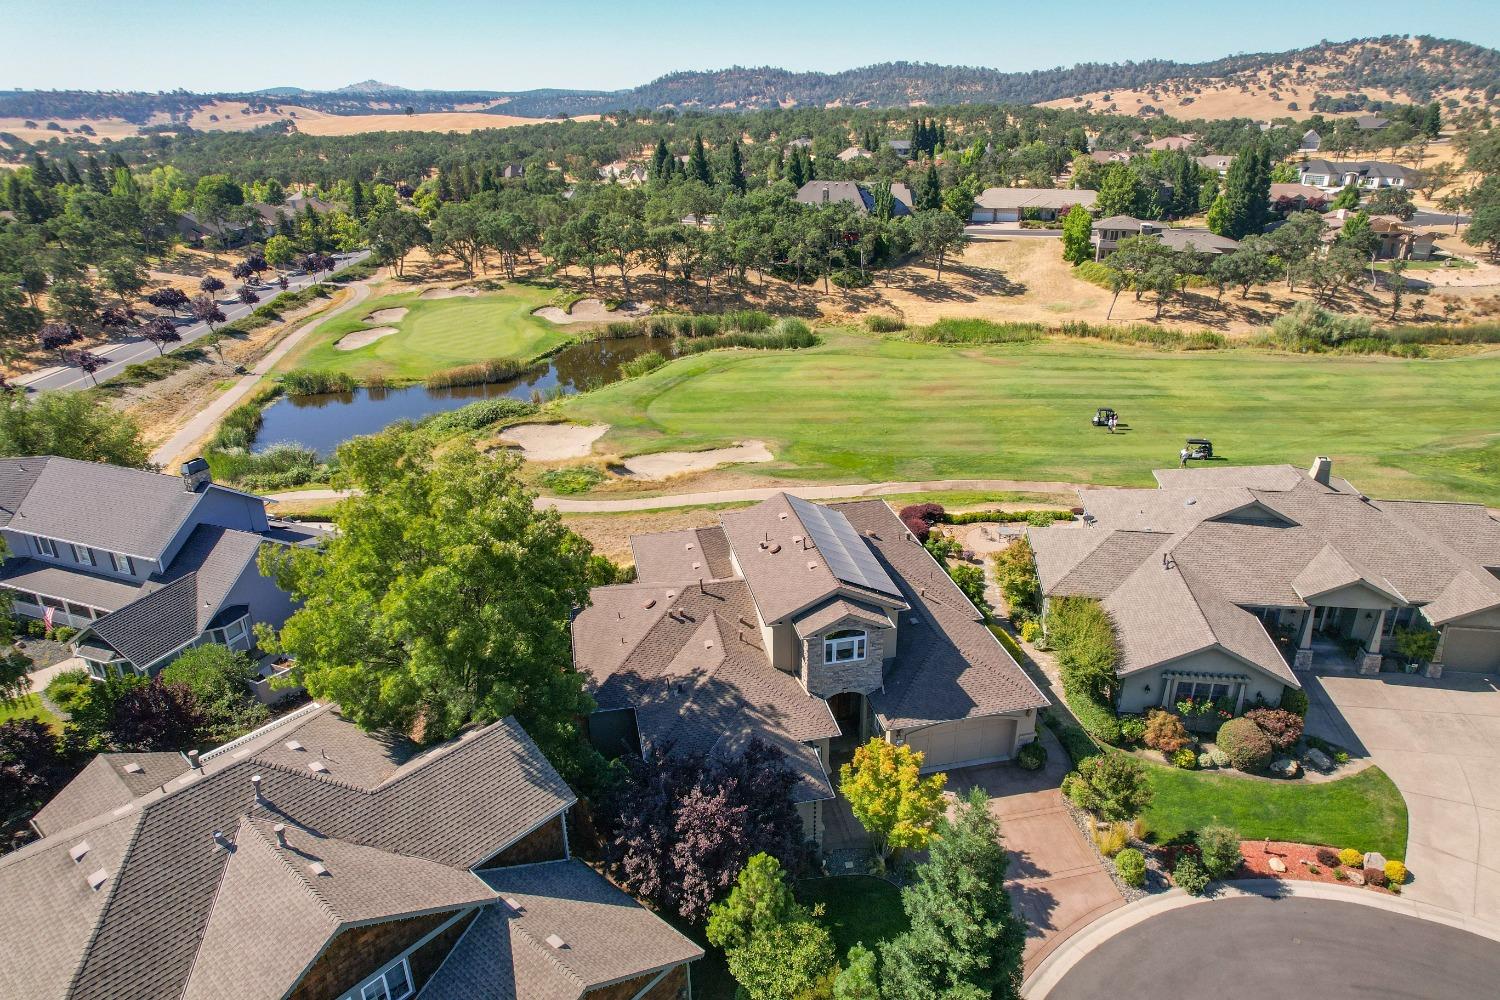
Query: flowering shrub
x,y
1132,729
1350,858
1206,761
1395,872
1185,759
1281,727
1220,758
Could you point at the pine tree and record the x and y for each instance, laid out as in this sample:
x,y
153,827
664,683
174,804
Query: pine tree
x,y
794,171
736,168
930,190
1432,121
97,180
71,175
698,162
661,162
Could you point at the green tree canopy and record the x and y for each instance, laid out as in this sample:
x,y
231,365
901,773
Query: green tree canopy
x,y
69,424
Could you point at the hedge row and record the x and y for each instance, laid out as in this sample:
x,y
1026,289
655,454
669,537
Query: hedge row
x,y
1036,518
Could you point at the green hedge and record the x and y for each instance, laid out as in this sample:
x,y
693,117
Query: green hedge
x,y
1097,718
1079,745
1035,518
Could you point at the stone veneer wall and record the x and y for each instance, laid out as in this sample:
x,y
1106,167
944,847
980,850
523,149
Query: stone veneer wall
x,y
824,680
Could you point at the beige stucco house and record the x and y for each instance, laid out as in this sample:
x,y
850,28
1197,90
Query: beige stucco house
x,y
812,627
1223,579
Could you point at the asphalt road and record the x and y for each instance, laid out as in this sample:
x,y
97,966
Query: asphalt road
x,y
1437,219
131,349
1005,231
1253,948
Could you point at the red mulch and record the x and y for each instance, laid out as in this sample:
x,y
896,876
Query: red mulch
x,y
1293,856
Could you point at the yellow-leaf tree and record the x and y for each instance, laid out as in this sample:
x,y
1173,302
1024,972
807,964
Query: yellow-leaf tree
x,y
890,798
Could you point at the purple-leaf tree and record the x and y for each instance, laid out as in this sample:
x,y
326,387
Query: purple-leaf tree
x,y
247,295
56,336
206,310
86,360
30,766
161,332
210,284
240,271
157,716
168,298
117,319
681,826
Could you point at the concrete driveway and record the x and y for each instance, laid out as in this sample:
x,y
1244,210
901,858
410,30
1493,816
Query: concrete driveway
x,y
1439,740
1056,880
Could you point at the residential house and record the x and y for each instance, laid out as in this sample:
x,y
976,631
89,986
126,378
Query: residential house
x,y
1108,156
624,172
1286,198
999,204
1222,580
1371,123
1394,240
854,153
513,170
801,142
146,565
812,627
310,860
299,201
902,147
1311,141
1172,142
196,232
1109,231
861,196
1218,164
1362,173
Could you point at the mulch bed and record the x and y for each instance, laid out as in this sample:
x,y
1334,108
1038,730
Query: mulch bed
x,y
1297,858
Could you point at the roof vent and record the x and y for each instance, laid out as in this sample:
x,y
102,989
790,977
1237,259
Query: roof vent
x,y
255,780
220,841
782,515
775,548
97,879
1191,501
513,903
193,761
280,830
812,565
796,539
132,768
318,868
708,644
650,604
79,850
689,545
293,745
317,767
556,942
697,565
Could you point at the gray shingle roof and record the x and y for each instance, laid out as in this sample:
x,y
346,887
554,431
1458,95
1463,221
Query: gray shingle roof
x,y
108,781
455,806
819,618
675,556
68,584
1023,197
606,937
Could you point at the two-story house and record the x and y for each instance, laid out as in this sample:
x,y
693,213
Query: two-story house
x,y
311,860
1331,174
812,627
145,565
1223,580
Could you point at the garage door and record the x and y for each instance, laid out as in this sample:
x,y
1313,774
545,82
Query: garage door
x,y
1472,651
970,741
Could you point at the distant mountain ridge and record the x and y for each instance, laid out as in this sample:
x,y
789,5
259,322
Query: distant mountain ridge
x,y
1421,68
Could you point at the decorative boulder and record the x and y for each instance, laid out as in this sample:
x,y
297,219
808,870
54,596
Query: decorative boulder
x,y
1285,767
1276,865
1317,760
1356,877
1374,859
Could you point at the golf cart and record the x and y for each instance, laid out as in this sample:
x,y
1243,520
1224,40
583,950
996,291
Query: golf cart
x,y
1102,415
1200,448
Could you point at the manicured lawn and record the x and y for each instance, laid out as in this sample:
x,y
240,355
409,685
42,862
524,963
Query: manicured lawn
x,y
29,707
435,334
860,408
857,909
1365,811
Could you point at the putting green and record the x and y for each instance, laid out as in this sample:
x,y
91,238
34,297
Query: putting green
x,y
860,408
434,334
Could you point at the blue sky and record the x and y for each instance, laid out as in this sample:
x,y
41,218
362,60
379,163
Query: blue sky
x,y
607,44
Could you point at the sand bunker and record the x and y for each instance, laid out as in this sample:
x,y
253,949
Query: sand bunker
x,y
395,315
554,442
591,311
448,293
361,338
672,463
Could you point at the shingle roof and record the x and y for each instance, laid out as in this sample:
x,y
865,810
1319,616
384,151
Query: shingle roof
x,y
456,806
675,556
68,584
108,781
606,937
819,618
1020,197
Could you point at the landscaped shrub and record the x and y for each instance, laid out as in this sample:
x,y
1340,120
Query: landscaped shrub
x,y
1035,518
1132,730
1206,761
1015,575
1340,874
1219,846
1074,740
1395,873
1294,700
1165,732
1033,756
1375,876
1087,650
1130,865
1190,876
1282,728
927,513
1096,718
1111,838
879,323
1030,630
1113,786
1350,858
1220,758
1327,857
1184,758
970,580
1417,645
1248,748
68,689
303,382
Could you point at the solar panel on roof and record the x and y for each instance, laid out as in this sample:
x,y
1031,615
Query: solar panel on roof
x,y
848,557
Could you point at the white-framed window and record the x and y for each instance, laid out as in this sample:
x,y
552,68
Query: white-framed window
x,y
844,646
84,556
390,983
122,564
46,546
235,635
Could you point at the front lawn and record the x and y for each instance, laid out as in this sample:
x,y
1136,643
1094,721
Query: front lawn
x,y
857,909
1021,411
1365,812
435,334
29,707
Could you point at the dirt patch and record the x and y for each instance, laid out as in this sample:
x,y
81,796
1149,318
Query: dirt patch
x,y
554,442
448,293
610,533
591,311
394,315
363,338
674,463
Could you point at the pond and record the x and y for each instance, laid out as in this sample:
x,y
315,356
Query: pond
x,y
326,420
